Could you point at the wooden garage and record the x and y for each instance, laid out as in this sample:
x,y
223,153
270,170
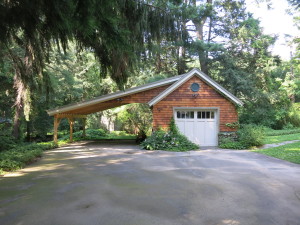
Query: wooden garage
x,y
200,106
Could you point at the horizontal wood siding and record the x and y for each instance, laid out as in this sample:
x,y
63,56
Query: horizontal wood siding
x,y
183,97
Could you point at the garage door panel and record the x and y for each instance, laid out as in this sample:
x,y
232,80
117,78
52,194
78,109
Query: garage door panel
x,y
210,137
189,129
201,129
180,125
200,132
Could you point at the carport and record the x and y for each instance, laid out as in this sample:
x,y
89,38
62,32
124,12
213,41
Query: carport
x,y
199,105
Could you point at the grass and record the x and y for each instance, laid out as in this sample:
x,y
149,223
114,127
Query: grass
x,y
271,132
281,138
288,152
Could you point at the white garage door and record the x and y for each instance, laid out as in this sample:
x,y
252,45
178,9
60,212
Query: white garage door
x,y
200,126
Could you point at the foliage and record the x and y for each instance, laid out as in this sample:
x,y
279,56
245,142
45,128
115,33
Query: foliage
x,y
173,127
251,135
289,152
112,29
233,125
168,141
98,134
229,144
271,132
91,134
281,138
135,118
248,136
171,140
293,117
7,141
21,155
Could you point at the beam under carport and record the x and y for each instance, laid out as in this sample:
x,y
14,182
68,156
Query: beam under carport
x,y
71,119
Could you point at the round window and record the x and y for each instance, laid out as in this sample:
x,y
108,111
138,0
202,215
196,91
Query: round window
x,y
195,87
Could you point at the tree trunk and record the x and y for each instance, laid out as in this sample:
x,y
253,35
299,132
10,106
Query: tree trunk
x,y
17,122
199,25
19,86
158,63
181,64
28,131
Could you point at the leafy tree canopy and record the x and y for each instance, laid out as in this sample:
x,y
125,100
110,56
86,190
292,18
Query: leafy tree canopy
x,y
114,30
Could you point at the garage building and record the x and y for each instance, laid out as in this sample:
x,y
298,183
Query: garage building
x,y
200,106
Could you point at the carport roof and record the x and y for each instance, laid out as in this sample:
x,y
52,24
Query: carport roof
x,y
116,95
176,81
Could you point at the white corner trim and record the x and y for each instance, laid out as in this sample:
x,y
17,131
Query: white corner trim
x,y
112,96
187,76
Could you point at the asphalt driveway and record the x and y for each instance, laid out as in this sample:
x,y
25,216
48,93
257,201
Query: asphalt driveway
x,y
97,183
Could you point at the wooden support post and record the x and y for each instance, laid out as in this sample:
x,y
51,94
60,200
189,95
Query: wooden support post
x,y
83,127
56,124
71,122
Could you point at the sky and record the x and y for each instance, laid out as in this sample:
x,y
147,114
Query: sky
x,y
275,21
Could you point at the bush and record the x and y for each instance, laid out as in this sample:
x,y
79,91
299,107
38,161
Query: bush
x,y
171,140
91,134
233,145
7,141
248,136
229,143
21,155
251,135
167,140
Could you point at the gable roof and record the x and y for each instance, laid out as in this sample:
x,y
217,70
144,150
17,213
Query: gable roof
x,y
202,76
176,82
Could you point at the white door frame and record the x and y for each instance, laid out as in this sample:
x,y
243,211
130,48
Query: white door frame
x,y
217,115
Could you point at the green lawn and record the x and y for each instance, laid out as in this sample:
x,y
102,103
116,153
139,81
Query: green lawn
x,y
289,152
271,132
281,138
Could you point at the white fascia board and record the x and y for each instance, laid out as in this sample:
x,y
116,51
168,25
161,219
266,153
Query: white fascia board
x,y
170,89
108,97
201,75
219,88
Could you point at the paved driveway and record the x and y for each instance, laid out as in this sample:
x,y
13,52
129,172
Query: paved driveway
x,y
109,184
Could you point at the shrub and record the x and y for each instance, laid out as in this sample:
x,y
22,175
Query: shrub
x,y
167,140
248,136
171,140
91,134
229,143
7,141
17,157
251,135
233,145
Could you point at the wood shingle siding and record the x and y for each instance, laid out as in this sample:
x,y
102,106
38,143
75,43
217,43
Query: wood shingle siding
x,y
183,97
